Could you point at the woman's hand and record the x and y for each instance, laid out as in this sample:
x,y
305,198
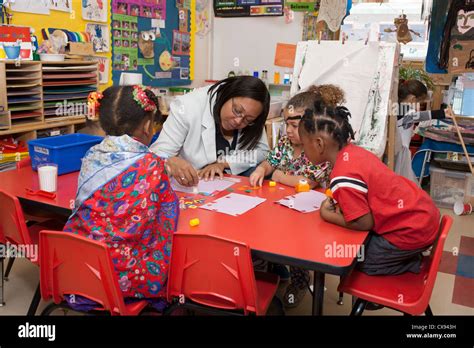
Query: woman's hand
x,y
210,171
257,177
182,171
449,112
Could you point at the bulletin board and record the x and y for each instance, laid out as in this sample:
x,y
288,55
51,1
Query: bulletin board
x,y
155,39
66,20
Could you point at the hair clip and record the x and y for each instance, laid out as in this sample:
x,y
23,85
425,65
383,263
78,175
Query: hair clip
x,y
93,104
142,99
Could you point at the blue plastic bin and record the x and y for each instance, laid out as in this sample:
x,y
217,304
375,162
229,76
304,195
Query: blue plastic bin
x,y
65,150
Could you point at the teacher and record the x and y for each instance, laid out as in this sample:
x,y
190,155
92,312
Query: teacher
x,y
216,129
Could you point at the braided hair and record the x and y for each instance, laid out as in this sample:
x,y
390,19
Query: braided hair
x,y
120,114
331,120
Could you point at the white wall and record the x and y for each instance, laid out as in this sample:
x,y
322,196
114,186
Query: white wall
x,y
251,40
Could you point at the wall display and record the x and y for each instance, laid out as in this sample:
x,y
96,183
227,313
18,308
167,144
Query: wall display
x,y
332,12
303,5
61,5
100,36
245,8
140,8
157,48
104,69
9,37
95,10
31,6
203,24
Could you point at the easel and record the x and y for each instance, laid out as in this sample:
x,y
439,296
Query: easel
x,y
458,131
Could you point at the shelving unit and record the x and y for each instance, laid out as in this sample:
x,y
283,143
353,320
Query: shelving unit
x,y
45,98
66,86
22,92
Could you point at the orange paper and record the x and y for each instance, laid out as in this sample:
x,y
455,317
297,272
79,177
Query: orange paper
x,y
285,55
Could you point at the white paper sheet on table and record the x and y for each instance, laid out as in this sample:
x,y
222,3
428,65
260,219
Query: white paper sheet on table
x,y
304,202
204,186
234,204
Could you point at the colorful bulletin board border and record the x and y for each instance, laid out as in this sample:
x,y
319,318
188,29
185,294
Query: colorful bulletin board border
x,y
246,8
158,48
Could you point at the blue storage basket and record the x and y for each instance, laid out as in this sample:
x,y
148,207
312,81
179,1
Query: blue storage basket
x,y
66,151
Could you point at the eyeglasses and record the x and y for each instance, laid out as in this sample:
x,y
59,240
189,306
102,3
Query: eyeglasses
x,y
240,114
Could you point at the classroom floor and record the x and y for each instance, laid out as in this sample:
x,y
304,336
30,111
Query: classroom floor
x,y
452,294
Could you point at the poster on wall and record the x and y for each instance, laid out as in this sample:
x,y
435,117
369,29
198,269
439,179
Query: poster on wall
x,y
31,6
155,9
125,41
61,5
100,36
94,10
303,5
246,8
104,64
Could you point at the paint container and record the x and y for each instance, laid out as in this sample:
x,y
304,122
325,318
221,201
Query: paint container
x,y
276,78
302,186
461,208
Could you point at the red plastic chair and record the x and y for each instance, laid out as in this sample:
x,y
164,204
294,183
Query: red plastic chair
x,y
408,293
73,264
14,230
216,275
25,162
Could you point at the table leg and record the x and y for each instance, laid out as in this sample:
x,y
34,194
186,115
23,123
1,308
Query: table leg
x,y
425,159
318,292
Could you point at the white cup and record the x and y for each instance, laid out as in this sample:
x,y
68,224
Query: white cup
x,y
48,177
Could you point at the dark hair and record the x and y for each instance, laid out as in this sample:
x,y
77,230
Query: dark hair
x,y
331,95
333,121
455,7
120,114
414,87
246,87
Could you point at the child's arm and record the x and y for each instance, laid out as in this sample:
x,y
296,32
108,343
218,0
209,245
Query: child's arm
x,y
291,180
257,177
333,214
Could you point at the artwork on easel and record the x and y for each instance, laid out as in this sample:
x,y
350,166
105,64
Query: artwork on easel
x,y
61,5
94,10
100,37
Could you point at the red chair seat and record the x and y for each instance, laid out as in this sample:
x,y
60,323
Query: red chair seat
x,y
267,285
35,229
400,292
409,293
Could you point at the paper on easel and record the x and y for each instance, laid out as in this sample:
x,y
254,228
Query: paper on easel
x,y
304,202
234,204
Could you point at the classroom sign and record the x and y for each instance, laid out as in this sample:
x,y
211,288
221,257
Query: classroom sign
x,y
247,8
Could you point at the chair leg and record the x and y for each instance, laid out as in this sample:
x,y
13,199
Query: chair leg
x,y
340,301
49,309
2,299
359,307
428,311
9,267
35,302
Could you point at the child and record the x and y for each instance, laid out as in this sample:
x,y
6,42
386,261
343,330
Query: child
x,y
368,196
288,165
412,97
124,197
287,162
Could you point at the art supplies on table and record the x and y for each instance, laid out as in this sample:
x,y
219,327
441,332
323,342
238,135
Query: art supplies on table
x,y
234,204
304,202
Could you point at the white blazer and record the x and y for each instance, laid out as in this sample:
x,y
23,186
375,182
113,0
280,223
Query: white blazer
x,y
190,133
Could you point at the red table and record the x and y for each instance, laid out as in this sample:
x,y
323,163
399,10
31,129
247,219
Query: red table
x,y
273,232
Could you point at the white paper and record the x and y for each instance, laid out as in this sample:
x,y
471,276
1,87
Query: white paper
x,y
61,5
158,23
203,186
94,10
31,6
304,202
234,204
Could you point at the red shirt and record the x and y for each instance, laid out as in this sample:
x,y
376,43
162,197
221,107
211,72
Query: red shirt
x,y
403,213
